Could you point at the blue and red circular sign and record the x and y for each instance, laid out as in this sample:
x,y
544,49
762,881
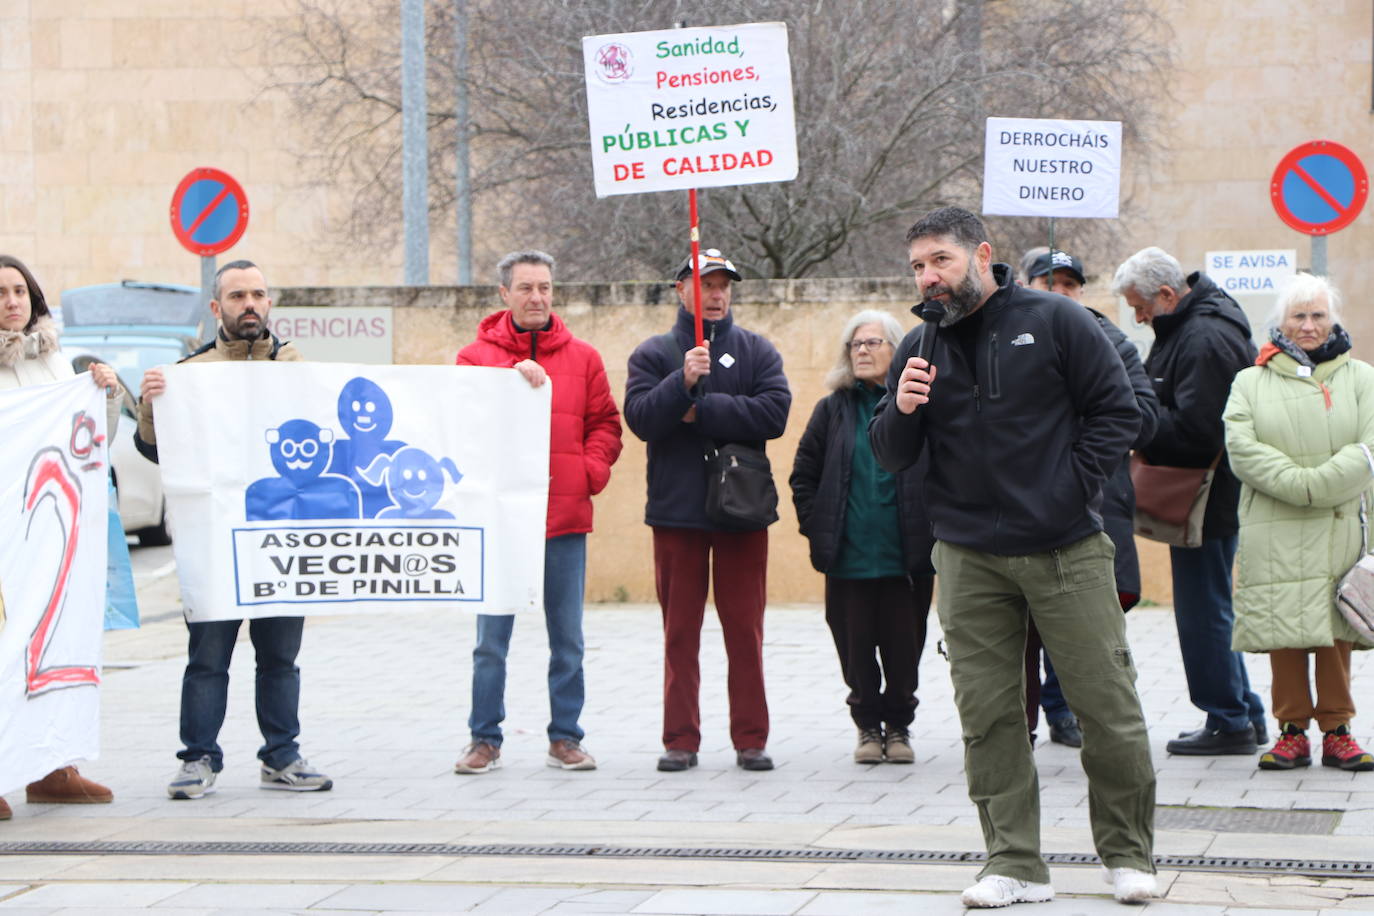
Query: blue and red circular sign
x,y
209,212
1319,187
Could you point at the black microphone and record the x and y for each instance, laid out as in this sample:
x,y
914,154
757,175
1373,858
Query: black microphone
x,y
932,312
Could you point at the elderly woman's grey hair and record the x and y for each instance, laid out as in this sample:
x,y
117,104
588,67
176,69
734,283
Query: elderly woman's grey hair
x,y
1028,261
842,375
1147,271
1304,289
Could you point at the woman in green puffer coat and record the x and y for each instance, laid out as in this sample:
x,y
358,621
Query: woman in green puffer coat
x,y
1299,430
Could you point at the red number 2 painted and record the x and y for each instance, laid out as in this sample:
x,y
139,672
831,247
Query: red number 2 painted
x,y
50,477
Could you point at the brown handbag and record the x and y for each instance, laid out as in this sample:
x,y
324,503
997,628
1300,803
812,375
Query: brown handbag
x,y
1170,502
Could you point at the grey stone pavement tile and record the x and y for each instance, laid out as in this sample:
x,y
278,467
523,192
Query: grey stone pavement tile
x,y
384,710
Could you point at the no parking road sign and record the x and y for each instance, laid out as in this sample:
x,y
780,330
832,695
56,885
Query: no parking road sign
x,y
209,212
1319,187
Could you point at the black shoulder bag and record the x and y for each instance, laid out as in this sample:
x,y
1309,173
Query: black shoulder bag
x,y
740,494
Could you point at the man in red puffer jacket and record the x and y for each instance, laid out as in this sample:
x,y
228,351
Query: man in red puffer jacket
x,y
584,441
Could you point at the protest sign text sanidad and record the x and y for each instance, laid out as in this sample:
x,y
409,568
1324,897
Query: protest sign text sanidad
x,y
1051,167
690,108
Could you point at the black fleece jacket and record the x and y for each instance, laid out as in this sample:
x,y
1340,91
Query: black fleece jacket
x,y
820,488
1199,347
1022,439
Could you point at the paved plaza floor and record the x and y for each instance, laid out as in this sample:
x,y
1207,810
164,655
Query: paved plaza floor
x,y
384,709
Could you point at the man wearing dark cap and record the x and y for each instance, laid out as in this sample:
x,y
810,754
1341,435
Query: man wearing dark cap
x,y
1059,272
683,398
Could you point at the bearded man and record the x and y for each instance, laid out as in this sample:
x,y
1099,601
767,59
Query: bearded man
x,y
1026,409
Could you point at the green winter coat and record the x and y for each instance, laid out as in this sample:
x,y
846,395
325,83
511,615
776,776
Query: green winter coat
x,y
1294,444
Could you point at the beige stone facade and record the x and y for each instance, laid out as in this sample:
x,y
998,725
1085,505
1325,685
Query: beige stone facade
x,y
105,104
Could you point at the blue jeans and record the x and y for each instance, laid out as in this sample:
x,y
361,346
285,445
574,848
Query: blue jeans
x,y
205,688
1052,696
565,575
1218,683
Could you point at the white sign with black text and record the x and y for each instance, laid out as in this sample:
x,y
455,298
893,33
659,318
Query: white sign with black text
x,y
1051,167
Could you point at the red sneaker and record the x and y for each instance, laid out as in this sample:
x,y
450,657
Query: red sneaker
x,y
1340,750
1290,752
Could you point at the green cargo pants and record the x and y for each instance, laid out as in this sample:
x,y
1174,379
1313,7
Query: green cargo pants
x,y
1070,593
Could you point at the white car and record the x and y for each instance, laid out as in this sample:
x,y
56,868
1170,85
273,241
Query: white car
x,y
132,327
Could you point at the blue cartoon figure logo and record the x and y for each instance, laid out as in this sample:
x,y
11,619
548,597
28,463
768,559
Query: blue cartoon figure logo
x,y
301,453
414,481
365,417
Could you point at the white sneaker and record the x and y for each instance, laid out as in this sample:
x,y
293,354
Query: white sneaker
x,y
1131,885
296,776
999,890
194,779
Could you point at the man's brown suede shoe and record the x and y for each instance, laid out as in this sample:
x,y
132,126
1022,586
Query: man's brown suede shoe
x,y
5,811
65,786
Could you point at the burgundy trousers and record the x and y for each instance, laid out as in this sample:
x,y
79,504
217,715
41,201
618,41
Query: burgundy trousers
x,y
735,564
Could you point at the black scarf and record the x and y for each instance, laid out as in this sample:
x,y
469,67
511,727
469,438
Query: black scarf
x,y
1336,343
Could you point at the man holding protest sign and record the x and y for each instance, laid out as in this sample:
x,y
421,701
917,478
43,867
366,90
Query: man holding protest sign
x,y
686,398
241,303
1026,409
584,442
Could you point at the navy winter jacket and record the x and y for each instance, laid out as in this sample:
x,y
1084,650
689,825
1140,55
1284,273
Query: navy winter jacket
x,y
745,399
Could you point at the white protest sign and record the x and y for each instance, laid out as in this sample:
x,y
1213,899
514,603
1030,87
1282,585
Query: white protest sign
x,y
1050,167
690,108
1240,272
53,522
342,334
298,488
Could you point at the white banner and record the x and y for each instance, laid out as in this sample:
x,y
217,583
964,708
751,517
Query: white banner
x,y
300,488
690,108
53,504
1050,167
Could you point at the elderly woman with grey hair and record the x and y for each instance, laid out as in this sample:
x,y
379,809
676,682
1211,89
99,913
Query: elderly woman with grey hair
x,y
1299,430
870,537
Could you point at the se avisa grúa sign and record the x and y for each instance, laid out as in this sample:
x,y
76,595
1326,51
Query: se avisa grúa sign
x,y
690,108
1240,272
1051,167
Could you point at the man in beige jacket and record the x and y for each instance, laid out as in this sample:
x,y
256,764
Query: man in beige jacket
x,y
241,303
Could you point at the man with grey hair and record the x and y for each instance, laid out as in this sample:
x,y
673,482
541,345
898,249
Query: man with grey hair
x,y
584,442
1202,339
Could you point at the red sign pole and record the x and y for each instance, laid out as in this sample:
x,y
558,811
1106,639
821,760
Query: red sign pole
x,y
696,265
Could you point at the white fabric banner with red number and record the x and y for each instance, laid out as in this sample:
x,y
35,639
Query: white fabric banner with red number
x,y
53,517
325,488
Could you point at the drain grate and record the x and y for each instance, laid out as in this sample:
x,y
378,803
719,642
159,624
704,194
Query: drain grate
x,y
1247,820
1310,867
